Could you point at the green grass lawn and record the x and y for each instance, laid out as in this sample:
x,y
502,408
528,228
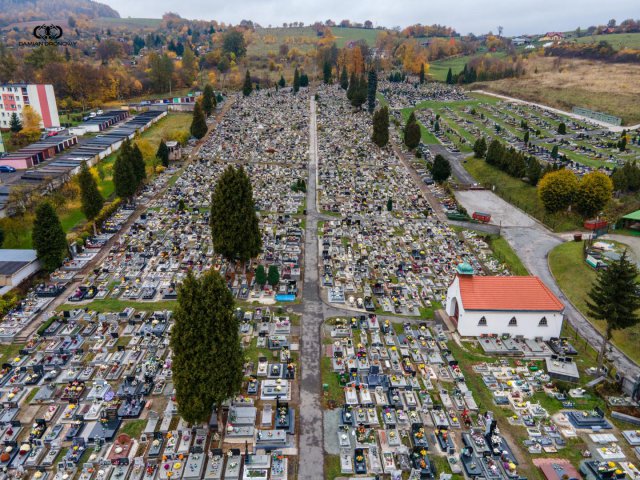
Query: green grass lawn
x,y
438,69
503,252
575,278
520,194
6,137
616,40
332,467
133,428
344,35
129,22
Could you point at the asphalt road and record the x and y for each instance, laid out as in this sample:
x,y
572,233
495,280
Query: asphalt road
x,y
532,242
311,447
456,160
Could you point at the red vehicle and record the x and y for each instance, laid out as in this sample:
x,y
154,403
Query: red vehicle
x,y
596,224
481,217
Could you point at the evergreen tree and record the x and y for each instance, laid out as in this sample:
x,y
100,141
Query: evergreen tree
x,y
296,81
381,127
199,123
124,177
614,299
247,87
449,76
372,86
261,276
281,82
562,129
90,196
389,204
534,171
421,73
138,165
48,237
207,356
344,79
304,80
15,125
208,100
412,132
273,276
441,169
181,205
235,230
526,137
353,86
494,153
554,152
326,72
480,147
359,95
622,144
163,153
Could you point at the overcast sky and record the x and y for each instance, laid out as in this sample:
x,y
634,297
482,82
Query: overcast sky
x,y
477,16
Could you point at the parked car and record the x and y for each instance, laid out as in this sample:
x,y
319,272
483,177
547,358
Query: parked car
x,y
7,169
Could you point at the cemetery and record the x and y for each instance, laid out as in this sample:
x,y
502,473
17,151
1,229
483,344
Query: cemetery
x,y
90,392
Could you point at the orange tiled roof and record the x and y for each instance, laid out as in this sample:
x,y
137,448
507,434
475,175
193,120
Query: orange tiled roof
x,y
507,293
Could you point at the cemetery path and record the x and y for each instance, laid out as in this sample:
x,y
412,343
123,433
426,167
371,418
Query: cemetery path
x,y
607,126
311,446
435,204
456,160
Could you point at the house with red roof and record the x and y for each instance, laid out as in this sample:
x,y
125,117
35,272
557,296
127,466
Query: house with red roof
x,y
518,306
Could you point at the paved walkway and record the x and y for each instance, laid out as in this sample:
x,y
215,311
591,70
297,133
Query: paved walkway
x,y
608,126
311,435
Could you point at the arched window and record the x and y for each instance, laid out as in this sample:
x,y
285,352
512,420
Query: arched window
x,y
543,322
482,322
513,322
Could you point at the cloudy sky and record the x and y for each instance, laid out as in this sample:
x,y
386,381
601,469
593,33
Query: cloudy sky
x,y
477,16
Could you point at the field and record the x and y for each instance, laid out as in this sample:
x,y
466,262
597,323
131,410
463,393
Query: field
x,y
129,22
438,69
616,40
304,39
575,278
604,87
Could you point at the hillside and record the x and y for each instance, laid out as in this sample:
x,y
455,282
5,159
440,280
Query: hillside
x,y
606,87
304,39
15,11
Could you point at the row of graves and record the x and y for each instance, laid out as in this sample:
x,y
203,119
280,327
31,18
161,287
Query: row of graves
x,y
406,402
150,260
40,296
406,407
263,418
92,398
384,249
401,95
608,452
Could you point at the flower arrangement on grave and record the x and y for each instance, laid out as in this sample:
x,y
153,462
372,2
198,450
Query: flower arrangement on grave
x,y
359,458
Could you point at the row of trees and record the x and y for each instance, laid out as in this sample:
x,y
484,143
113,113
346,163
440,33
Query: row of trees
x,y
511,161
561,190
